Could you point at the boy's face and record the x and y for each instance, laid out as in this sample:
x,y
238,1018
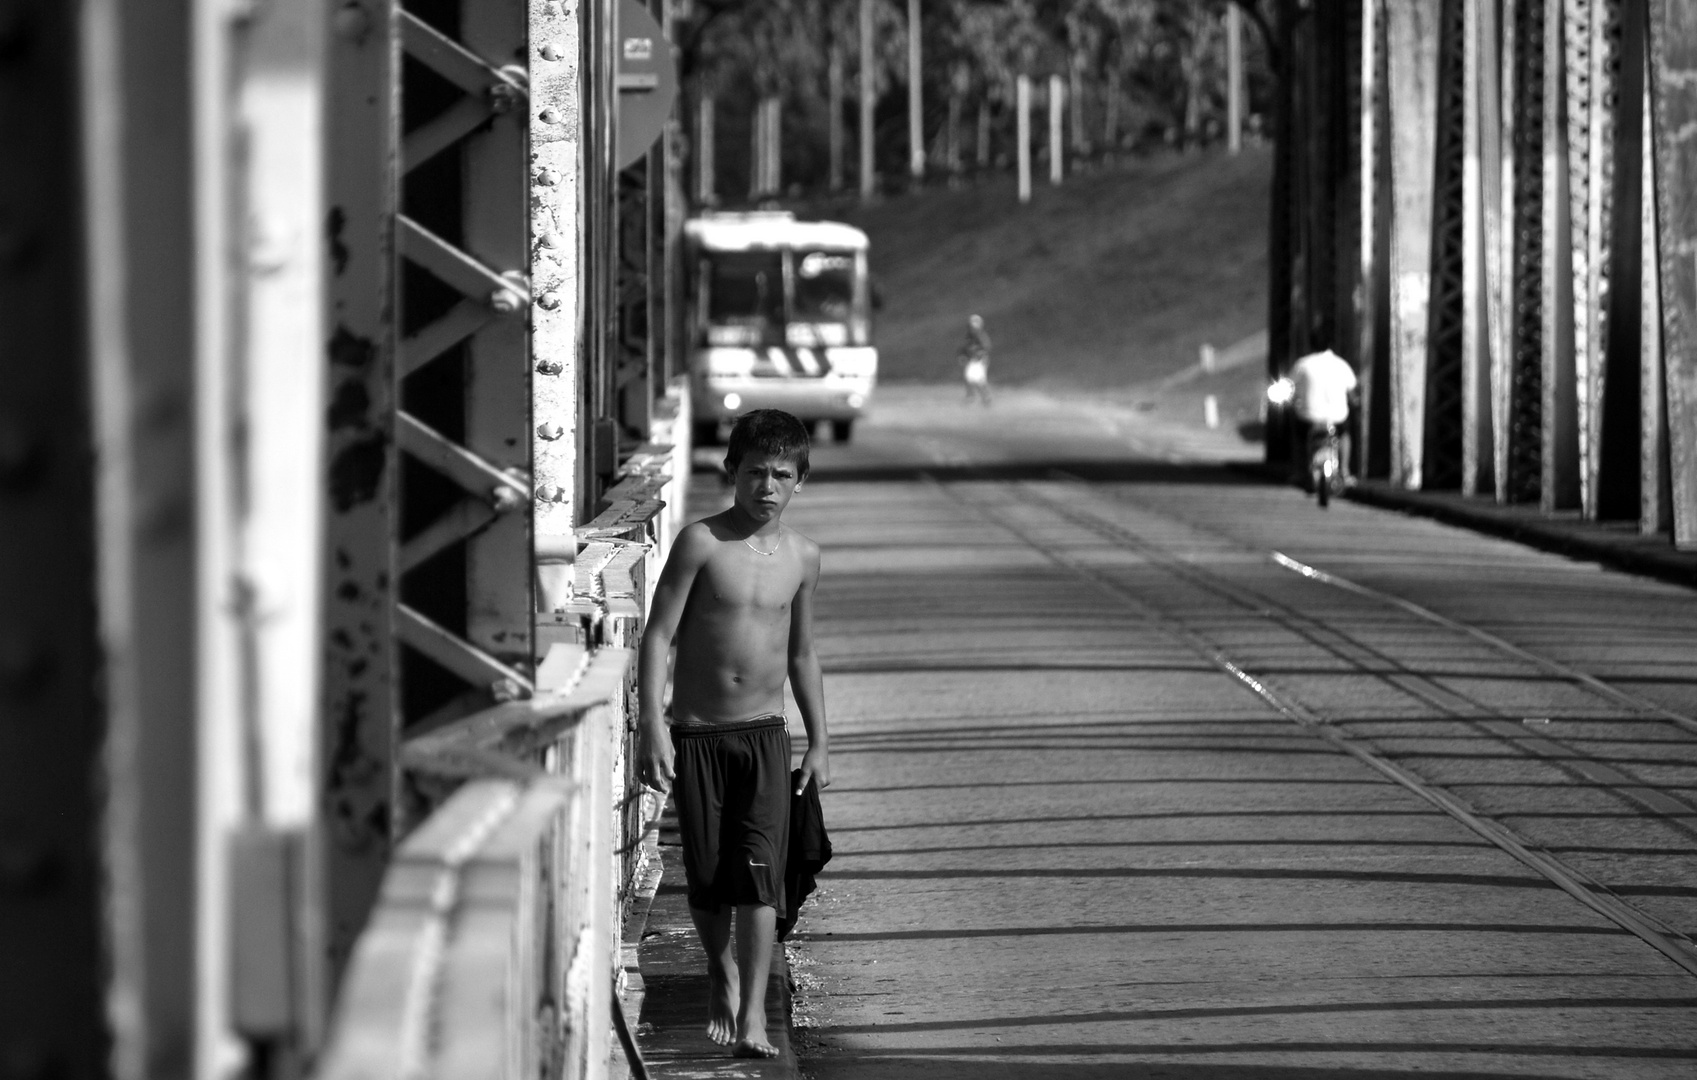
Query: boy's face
x,y
764,485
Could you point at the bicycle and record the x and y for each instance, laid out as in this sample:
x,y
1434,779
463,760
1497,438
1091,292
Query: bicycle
x,y
1326,465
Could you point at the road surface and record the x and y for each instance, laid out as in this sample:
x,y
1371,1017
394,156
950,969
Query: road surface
x,y
1144,767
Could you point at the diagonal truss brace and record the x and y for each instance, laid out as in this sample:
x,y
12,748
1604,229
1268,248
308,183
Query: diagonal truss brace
x,y
502,490
458,656
505,293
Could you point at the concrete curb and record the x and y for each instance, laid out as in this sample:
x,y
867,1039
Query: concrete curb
x,y
1618,545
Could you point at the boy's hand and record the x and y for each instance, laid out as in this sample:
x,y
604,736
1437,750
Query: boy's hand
x,y
655,764
815,766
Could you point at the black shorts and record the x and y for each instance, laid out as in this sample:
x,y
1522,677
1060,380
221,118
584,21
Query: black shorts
x,y
732,792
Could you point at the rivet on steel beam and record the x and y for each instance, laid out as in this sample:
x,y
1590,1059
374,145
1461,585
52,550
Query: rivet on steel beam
x,y
353,22
549,432
507,690
548,301
553,51
506,500
23,665
502,97
551,493
548,177
549,116
549,367
20,454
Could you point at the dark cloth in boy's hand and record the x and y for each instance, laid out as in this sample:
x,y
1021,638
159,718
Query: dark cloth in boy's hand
x,y
810,850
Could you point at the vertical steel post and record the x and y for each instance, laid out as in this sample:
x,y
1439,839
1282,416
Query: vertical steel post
x,y
64,356
1413,30
1368,273
915,94
705,192
867,134
1443,452
555,365
1673,79
1281,231
1111,112
497,394
1080,137
1234,79
1559,485
1022,136
757,151
1057,152
1526,101
141,132
359,792
1655,513
834,104
1496,158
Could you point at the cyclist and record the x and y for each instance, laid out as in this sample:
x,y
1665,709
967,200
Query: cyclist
x,y
1323,386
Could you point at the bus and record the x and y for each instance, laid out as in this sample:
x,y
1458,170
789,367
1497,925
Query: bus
x,y
780,318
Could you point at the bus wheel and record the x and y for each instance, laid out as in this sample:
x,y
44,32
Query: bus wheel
x,y
706,432
842,430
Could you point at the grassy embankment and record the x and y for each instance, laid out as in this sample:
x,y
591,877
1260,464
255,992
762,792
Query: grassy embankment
x,y
1107,284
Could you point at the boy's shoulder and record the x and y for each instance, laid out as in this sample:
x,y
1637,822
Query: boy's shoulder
x,y
698,539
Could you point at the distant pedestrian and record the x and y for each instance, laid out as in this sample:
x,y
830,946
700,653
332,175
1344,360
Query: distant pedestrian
x,y
975,359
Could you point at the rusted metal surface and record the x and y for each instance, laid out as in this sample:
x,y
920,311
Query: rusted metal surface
x,y
1524,103
1412,31
1494,136
1655,510
1451,336
1558,454
495,216
1673,88
361,717
557,279
1373,319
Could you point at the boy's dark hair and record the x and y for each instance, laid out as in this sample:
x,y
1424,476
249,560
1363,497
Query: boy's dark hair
x,y
767,431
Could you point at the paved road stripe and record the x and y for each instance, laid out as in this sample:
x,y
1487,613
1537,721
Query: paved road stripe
x,y
1664,939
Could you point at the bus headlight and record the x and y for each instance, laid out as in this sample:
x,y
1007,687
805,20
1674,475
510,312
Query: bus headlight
x,y
733,402
855,401
1281,391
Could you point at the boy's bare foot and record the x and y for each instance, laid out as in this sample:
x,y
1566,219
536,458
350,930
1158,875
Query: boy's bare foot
x,y
722,1007
751,1037
751,1048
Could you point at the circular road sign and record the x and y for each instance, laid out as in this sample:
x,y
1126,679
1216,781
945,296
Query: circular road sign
x,y
647,82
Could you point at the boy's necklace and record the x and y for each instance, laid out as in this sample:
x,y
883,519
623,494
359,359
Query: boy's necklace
x,y
757,551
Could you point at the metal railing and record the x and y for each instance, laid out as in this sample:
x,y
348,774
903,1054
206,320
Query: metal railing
x,y
493,950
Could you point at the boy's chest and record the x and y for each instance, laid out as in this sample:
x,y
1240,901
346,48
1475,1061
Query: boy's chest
x,y
730,580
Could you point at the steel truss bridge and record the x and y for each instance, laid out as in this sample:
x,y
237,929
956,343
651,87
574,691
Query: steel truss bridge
x,y
1488,206
341,430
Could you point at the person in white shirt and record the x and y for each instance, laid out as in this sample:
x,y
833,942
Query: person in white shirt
x,y
1323,387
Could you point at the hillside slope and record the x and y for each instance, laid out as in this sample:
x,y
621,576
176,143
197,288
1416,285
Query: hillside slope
x,y
1112,280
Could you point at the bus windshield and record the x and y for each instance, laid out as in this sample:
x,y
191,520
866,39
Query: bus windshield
x,y
745,287
824,285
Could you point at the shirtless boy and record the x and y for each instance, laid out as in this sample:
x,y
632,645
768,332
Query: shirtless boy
x,y
736,598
